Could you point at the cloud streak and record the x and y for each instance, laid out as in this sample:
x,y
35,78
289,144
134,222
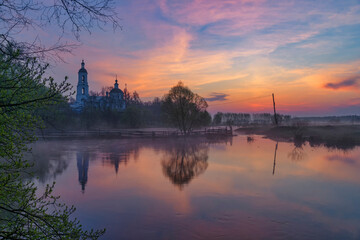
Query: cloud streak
x,y
344,84
214,96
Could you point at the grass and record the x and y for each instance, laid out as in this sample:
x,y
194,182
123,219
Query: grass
x,y
332,136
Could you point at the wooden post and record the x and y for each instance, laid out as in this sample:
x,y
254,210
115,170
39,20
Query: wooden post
x,y
275,117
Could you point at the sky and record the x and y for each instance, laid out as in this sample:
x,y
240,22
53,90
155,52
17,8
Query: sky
x,y
234,53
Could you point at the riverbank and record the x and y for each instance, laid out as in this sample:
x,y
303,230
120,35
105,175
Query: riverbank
x,y
134,133
333,136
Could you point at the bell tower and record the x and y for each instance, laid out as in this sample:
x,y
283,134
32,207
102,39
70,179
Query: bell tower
x,y
82,91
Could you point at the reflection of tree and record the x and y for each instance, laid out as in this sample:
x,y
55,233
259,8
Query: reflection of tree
x,y
83,166
49,161
185,161
297,154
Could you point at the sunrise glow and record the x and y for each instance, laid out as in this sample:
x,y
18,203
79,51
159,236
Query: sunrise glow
x,y
234,53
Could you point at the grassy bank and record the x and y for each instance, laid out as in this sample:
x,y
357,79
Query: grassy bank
x,y
333,136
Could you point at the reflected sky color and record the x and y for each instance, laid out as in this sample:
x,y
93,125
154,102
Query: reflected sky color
x,y
239,51
223,189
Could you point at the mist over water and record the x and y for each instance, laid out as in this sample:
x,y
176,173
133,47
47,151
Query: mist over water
x,y
234,188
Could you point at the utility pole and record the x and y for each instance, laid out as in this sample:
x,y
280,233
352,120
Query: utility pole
x,y
275,117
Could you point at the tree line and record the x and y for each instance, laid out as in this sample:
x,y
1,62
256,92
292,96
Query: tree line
x,y
179,108
243,119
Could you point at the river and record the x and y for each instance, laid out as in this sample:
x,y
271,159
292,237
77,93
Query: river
x,y
233,188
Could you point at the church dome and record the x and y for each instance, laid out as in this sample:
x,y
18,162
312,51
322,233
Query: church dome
x,y
116,90
82,69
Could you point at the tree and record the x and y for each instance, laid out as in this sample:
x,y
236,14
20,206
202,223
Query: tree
x,y
105,90
204,119
184,108
24,213
218,118
127,96
135,98
133,116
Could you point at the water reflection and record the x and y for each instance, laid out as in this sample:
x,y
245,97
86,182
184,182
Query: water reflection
x,y
227,190
343,159
297,154
83,167
116,159
50,160
276,147
345,143
184,161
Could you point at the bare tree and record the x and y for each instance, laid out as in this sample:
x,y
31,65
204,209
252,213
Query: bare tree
x,y
105,90
127,96
67,15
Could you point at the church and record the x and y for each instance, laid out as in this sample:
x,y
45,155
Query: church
x,y
113,100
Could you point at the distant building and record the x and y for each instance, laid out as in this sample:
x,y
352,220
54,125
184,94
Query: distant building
x,y
82,90
113,100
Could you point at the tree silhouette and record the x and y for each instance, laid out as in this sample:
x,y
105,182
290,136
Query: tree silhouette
x,y
185,109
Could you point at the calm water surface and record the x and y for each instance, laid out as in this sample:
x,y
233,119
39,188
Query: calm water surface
x,y
199,189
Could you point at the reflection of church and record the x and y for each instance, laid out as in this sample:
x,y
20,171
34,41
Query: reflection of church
x,y
113,100
83,167
111,159
116,159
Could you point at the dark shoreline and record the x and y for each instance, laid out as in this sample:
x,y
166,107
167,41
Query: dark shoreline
x,y
343,137
210,133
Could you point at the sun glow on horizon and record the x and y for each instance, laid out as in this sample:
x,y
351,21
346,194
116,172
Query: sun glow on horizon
x,y
233,53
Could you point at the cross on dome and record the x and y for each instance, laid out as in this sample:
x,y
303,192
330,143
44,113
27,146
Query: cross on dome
x,y
116,85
